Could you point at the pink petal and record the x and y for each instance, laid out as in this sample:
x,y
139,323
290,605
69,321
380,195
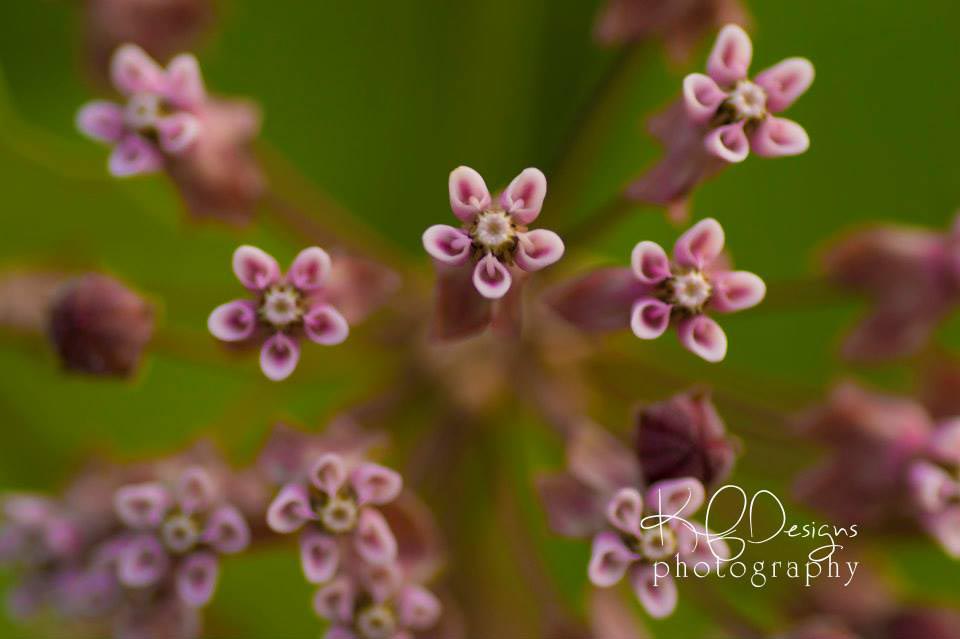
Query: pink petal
x,y
702,97
324,324
196,490
538,249
255,268
310,269
197,579
696,544
677,497
142,562
945,442
736,291
382,581
931,486
234,321
142,506
468,193
375,484
625,510
491,278
649,318
785,82
102,121
945,527
728,142
227,530
290,509
373,539
700,245
447,244
730,58
609,559
133,71
335,600
658,600
319,556
523,197
279,356
418,608
134,155
184,85
329,473
650,263
177,132
779,137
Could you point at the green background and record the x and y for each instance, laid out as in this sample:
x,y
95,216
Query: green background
x,y
375,102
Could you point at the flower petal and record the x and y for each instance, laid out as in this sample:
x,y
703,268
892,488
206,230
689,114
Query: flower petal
x,y
234,321
142,562
134,155
657,595
133,71
227,530
319,556
468,193
329,473
142,506
324,324
677,497
538,249
625,510
650,262
785,81
197,579
447,244
728,142
373,539
382,581
696,544
290,509
310,269
945,442
184,85
335,600
491,278
418,608
932,487
102,121
736,291
730,58
945,528
702,336
700,245
255,268
702,97
177,132
375,484
523,197
609,559
279,356
649,318
196,490
779,137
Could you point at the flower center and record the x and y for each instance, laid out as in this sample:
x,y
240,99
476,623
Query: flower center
x,y
142,112
180,533
658,543
281,305
494,231
376,622
748,101
690,290
339,515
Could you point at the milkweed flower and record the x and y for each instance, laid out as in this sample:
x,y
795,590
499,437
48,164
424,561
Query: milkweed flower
x,y
721,117
493,248
285,307
657,292
935,486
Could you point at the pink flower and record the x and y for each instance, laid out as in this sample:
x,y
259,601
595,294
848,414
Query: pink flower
x,y
285,306
493,242
722,116
659,291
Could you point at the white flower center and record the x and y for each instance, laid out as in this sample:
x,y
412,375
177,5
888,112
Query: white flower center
x,y
376,622
180,533
690,290
658,543
142,111
281,305
494,230
748,101
339,515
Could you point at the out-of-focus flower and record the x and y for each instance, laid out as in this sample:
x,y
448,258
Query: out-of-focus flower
x,y
684,436
491,251
678,23
721,117
912,277
935,486
285,307
660,291
99,326
161,27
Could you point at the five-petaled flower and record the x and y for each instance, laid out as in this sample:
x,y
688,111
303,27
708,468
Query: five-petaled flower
x,y
494,236
286,305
